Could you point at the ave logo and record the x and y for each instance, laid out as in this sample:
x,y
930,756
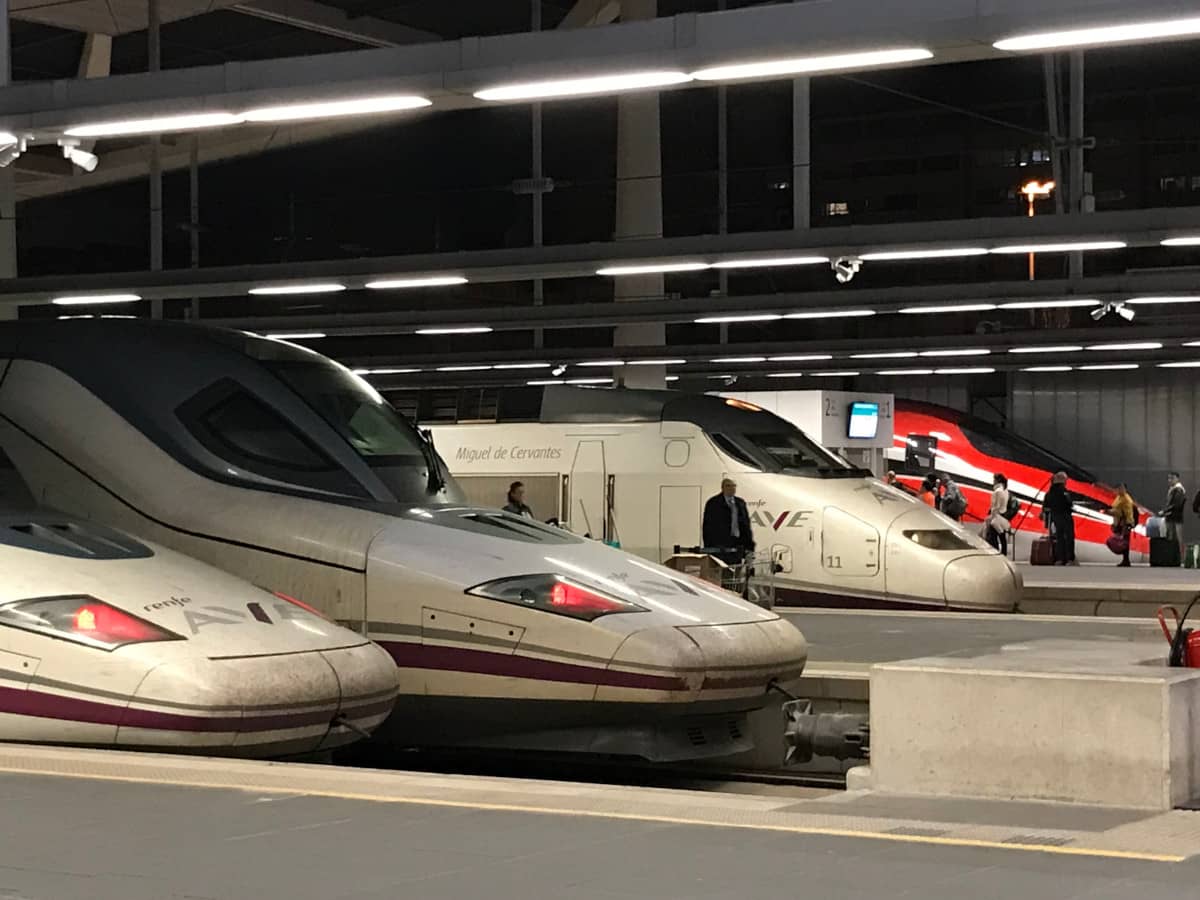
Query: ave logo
x,y
764,518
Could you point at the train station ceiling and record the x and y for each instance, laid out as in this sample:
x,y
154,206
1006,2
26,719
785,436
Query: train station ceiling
x,y
948,129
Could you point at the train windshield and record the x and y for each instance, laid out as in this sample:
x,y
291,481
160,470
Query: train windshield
x,y
792,451
383,438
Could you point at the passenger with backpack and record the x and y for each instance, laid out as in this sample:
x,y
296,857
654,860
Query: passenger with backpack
x,y
1060,512
954,504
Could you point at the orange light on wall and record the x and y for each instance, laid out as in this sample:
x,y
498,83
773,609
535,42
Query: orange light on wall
x,y
1034,191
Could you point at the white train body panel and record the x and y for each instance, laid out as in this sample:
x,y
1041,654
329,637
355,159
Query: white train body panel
x,y
394,562
244,672
840,540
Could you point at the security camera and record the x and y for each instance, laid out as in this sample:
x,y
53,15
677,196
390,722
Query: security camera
x,y
729,380
558,370
846,267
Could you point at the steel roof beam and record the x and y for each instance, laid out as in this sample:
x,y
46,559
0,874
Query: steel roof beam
x,y
449,72
1138,228
329,20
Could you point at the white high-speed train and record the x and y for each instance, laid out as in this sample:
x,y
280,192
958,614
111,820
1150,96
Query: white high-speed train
x,y
107,641
282,467
637,467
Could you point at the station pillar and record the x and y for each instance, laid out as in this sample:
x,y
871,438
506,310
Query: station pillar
x,y
639,210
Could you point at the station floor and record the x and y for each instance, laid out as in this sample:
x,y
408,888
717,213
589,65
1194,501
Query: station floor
x,y
103,826
854,639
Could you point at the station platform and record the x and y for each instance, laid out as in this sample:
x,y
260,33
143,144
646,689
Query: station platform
x,y
103,826
1105,590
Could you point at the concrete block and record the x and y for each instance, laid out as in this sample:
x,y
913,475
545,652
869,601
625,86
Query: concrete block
x,y
860,779
1081,722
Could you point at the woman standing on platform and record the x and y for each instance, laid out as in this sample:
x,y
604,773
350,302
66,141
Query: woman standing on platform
x,y
995,526
1124,513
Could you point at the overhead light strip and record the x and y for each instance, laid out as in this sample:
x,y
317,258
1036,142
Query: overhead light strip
x,y
333,109
917,255
958,308
1050,304
770,262
95,299
390,284
1061,247
595,85
1131,32
456,329
809,65
284,290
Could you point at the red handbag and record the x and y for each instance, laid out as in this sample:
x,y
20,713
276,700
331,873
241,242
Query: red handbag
x,y
1118,542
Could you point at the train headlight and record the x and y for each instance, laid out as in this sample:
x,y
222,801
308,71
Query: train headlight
x,y
555,594
84,620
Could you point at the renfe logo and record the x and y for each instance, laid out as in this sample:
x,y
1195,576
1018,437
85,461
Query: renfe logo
x,y
763,518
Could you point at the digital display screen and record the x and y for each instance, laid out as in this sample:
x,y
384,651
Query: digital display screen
x,y
864,420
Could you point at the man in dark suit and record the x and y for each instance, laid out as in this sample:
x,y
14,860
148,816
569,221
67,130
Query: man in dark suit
x,y
727,524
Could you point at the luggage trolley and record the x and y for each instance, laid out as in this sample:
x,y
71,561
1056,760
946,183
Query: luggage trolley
x,y
750,575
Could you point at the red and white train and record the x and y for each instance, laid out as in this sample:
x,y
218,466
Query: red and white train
x,y
931,438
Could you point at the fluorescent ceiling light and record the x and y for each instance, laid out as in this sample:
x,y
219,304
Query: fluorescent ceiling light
x,y
671,378
589,381
463,368
834,374
962,307
833,314
963,371
1189,364
787,374
582,87
804,65
1048,369
1161,301
902,354
601,363
386,371
452,329
814,357
157,125
768,262
1178,242
1061,348
1049,304
296,335
898,255
363,106
957,353
905,372
290,289
1066,247
431,281
95,299
1143,345
1192,344
1109,368
653,269
658,362
1112,34
537,365
545,381
721,320
740,359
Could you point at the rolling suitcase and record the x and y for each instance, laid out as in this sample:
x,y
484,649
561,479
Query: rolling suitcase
x,y
1042,552
1164,553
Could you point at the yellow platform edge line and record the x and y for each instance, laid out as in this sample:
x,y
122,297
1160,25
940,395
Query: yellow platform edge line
x,y
1095,852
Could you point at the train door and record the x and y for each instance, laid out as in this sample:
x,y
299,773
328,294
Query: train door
x,y
849,546
679,515
589,490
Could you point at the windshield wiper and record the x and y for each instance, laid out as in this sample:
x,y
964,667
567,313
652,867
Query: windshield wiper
x,y
437,481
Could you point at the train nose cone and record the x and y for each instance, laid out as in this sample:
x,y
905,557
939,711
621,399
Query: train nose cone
x,y
986,582
707,662
275,705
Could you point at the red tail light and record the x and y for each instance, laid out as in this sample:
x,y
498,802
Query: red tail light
x,y
84,620
556,594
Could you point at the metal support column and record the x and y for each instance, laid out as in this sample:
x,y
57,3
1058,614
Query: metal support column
x,y
8,185
194,215
1078,180
801,154
154,52
723,187
639,207
1054,125
539,288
